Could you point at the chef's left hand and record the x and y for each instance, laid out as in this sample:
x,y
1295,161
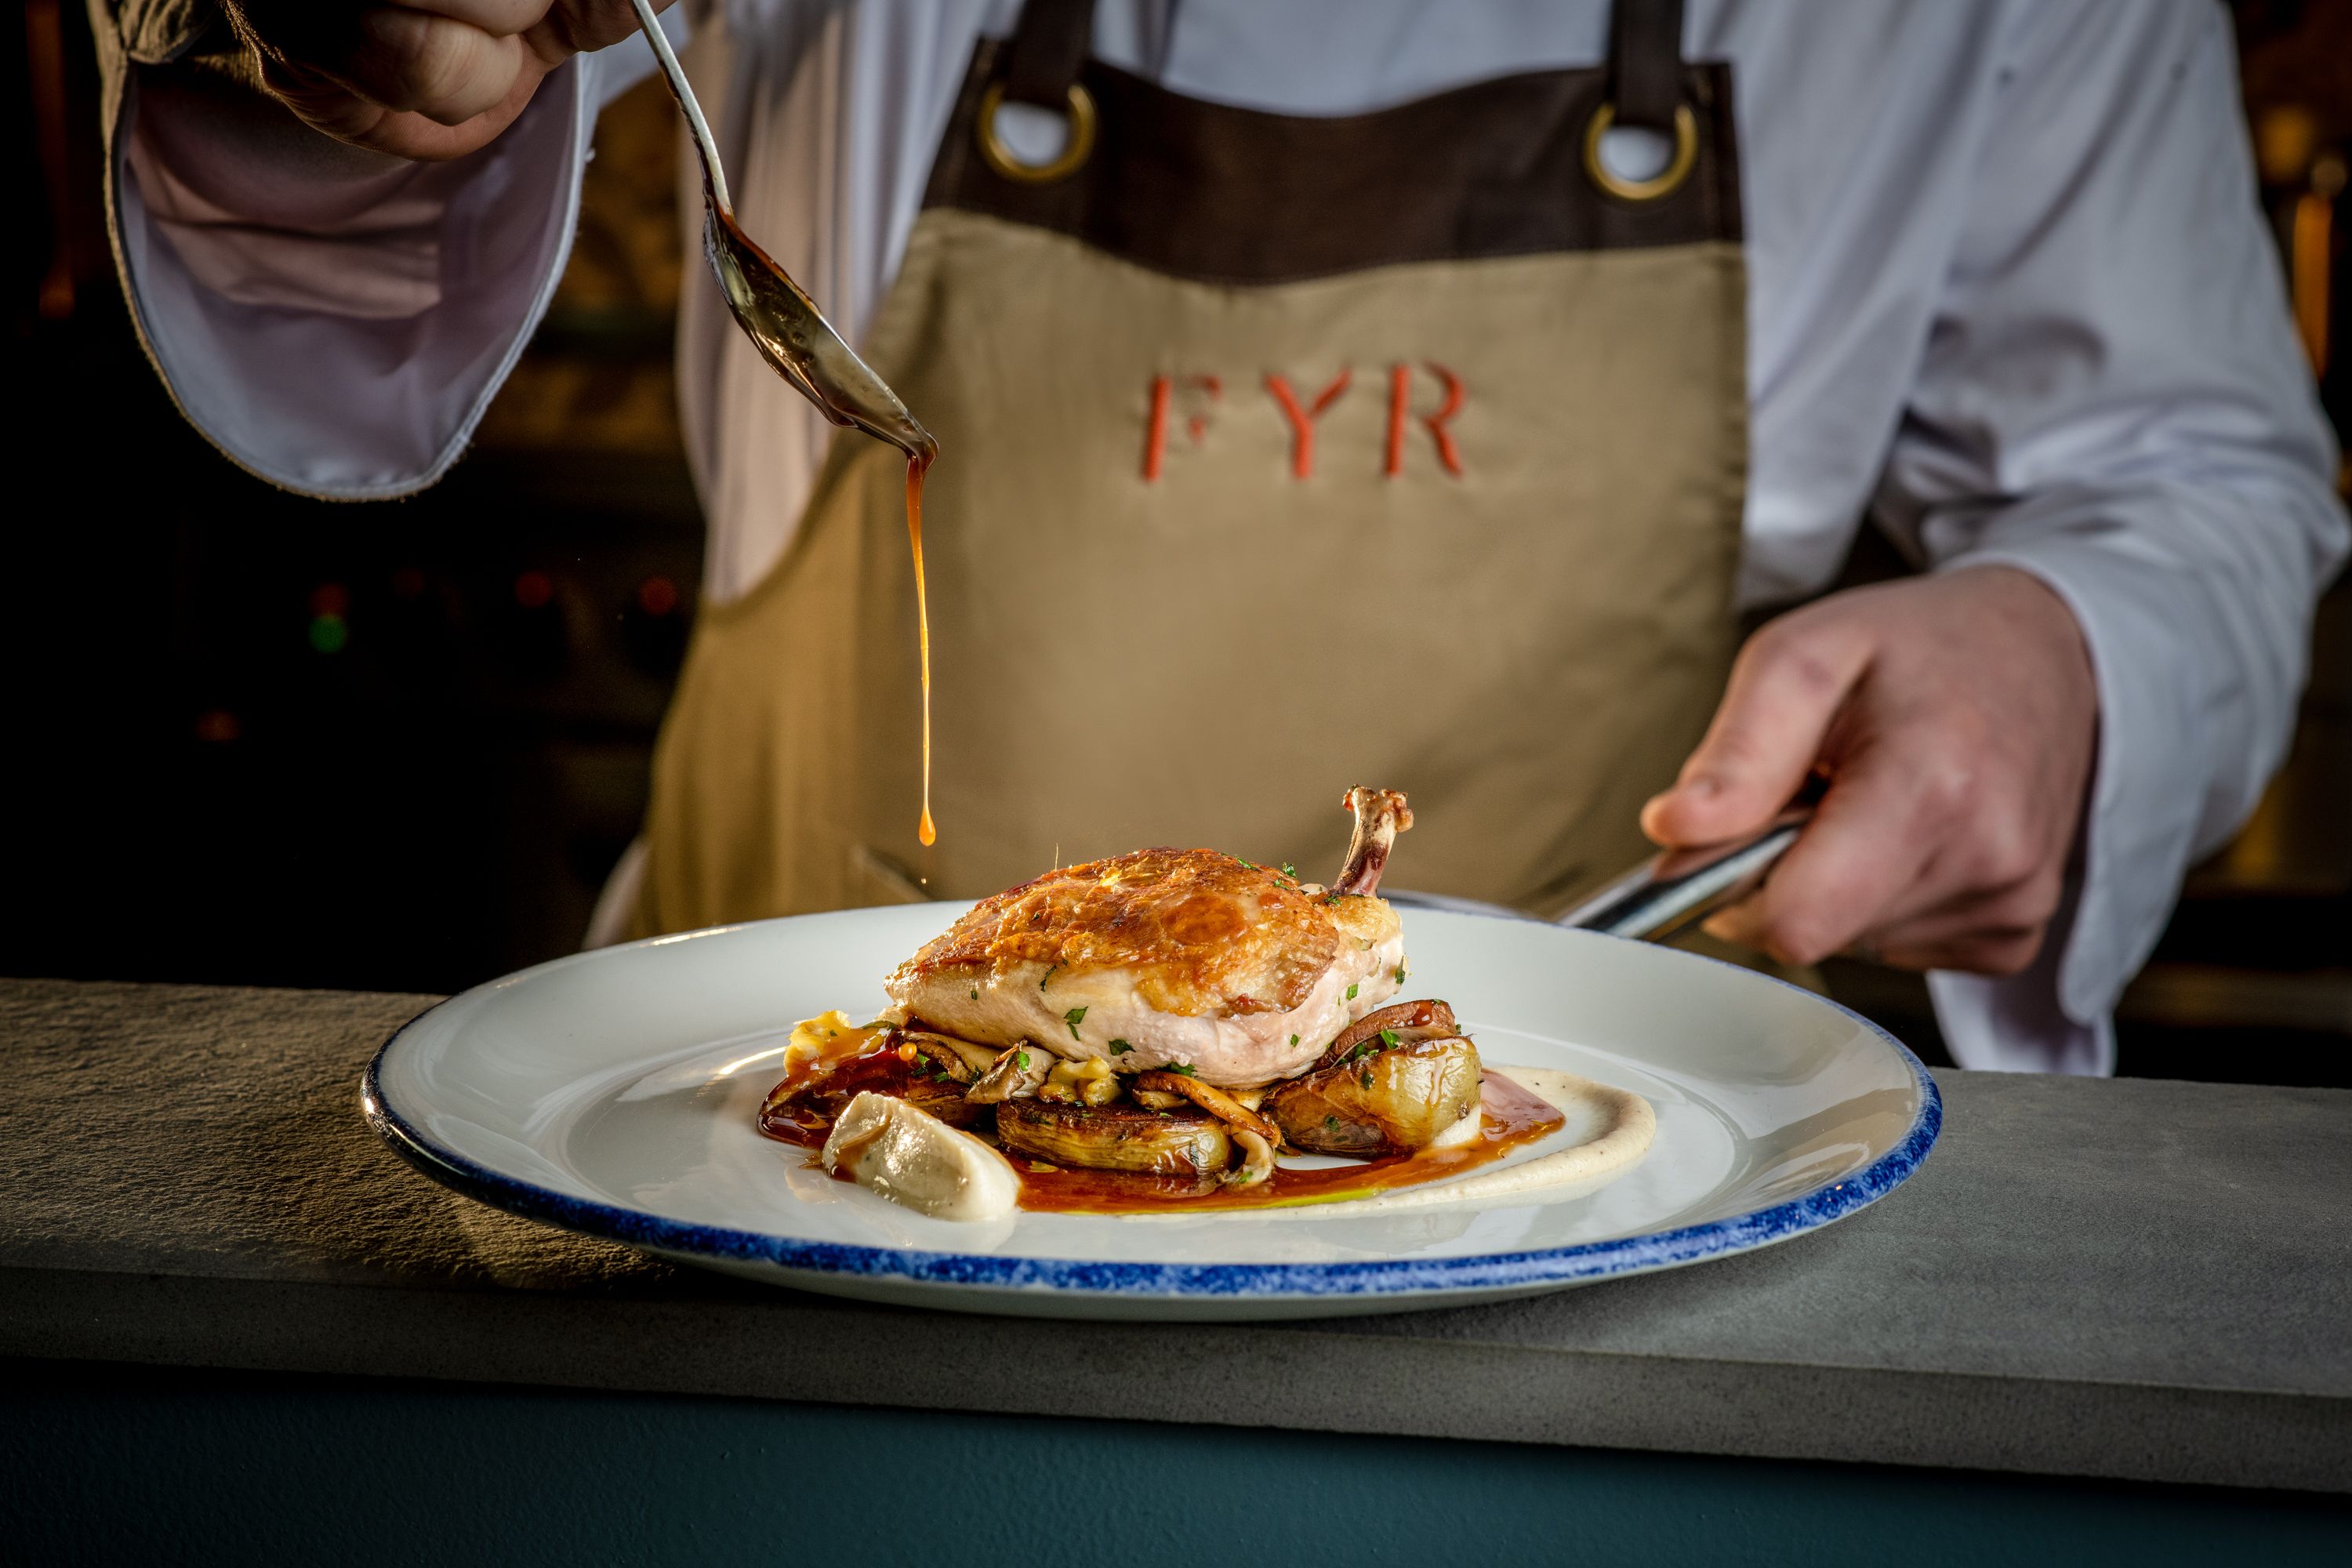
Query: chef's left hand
x,y
1955,717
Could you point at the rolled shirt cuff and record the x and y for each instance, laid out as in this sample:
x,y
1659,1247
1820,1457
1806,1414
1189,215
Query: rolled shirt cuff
x,y
363,400
2150,783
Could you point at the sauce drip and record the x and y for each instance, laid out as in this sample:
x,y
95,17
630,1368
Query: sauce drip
x,y
926,832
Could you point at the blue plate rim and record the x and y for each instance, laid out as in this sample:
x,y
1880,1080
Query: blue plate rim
x,y
1171,1281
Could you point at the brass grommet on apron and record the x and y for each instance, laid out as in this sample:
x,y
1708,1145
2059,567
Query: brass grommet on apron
x,y
1663,184
1074,156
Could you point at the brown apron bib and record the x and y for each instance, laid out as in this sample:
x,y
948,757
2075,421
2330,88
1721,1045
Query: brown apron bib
x,y
1277,455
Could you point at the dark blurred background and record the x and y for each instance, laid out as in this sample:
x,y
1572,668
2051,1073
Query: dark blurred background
x,y
255,739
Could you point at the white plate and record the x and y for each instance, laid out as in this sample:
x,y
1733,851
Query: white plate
x,y
613,1093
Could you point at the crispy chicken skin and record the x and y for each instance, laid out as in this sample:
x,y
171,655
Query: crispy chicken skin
x,y
1161,957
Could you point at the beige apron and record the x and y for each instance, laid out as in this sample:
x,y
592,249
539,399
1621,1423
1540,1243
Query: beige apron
x,y
1277,455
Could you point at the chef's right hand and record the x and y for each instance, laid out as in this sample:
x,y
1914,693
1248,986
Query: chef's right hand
x,y
421,78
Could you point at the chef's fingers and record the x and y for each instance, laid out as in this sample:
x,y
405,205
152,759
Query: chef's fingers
x,y
1989,952
570,26
1996,931
410,61
499,18
1786,686
1869,851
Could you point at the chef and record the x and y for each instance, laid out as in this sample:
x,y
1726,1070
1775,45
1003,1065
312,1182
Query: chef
x,y
1363,390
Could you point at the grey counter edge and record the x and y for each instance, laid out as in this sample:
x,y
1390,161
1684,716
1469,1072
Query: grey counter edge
x,y
1426,1388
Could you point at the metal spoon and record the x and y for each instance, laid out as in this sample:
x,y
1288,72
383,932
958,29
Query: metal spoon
x,y
775,314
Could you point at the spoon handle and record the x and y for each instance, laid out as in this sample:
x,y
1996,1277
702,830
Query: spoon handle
x,y
706,146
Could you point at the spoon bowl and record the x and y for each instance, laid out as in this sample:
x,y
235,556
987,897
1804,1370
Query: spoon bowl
x,y
776,314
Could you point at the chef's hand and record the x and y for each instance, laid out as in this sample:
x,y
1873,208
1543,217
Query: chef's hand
x,y
422,79
1955,717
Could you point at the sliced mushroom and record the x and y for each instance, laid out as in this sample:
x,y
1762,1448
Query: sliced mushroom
x,y
1257,1160
946,1056
1408,1021
1016,1073
1392,1101
1116,1138
1211,1099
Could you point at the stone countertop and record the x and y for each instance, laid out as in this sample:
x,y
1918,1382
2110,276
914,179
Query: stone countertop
x,y
2135,1279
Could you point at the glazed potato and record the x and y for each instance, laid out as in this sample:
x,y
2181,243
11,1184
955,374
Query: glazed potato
x,y
1390,1101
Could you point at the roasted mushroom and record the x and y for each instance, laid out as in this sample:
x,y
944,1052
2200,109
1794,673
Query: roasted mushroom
x,y
1114,1138
1382,1099
1208,1098
948,1057
1257,1160
1017,1071
1402,1023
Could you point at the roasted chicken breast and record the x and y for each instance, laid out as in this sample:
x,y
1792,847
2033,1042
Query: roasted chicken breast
x,y
1173,959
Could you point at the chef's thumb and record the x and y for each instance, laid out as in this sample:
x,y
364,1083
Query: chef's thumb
x,y
1786,685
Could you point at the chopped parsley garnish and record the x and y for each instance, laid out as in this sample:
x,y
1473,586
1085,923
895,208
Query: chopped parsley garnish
x,y
1331,898
1330,1121
1367,1079
1022,1061
1352,993
1049,975
1293,1039
1400,973
1290,870
975,993
1181,1069
1238,860
1120,1048
1388,1036
1073,1017
1363,1049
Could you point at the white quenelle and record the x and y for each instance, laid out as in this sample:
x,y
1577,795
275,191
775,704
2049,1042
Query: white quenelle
x,y
913,1158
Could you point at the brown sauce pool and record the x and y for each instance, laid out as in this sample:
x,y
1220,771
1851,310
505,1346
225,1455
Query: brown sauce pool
x,y
1510,1117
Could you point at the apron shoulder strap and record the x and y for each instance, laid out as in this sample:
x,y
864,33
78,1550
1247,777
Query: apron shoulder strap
x,y
1049,45
1646,63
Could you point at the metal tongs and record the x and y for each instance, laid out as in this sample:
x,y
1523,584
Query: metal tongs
x,y
1665,892
775,313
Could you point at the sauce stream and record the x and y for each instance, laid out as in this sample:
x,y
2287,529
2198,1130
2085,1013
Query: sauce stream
x,y
926,832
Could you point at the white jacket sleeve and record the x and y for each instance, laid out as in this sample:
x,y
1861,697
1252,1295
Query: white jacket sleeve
x,y
334,320
2111,399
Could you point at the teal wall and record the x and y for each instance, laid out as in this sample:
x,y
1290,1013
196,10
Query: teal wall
x,y
112,1465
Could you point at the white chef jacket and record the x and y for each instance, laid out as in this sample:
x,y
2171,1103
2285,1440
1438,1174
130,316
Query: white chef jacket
x,y
2010,295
